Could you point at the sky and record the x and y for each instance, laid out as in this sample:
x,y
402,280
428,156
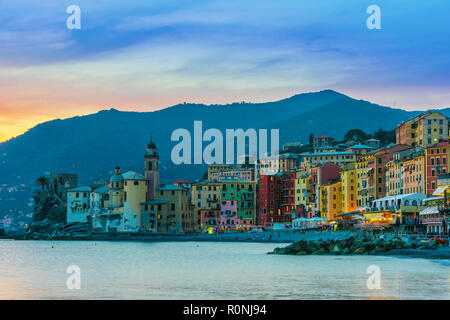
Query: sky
x,y
147,55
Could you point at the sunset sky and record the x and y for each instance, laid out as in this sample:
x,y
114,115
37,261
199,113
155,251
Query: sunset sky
x,y
147,55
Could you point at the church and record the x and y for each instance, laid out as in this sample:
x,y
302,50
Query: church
x,y
133,202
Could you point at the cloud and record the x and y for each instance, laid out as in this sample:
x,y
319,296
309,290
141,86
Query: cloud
x,y
149,54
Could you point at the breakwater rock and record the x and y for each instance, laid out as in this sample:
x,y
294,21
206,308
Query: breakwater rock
x,y
47,230
357,246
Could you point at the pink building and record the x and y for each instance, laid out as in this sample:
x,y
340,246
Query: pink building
x,y
228,217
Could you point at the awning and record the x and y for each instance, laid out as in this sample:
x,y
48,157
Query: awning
x,y
430,210
440,191
374,215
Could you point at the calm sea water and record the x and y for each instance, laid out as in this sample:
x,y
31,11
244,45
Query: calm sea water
x,y
207,270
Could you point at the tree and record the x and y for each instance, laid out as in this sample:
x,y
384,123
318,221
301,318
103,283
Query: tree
x,y
311,138
356,135
42,181
385,137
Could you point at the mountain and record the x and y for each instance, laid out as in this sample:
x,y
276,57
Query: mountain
x,y
336,118
93,145
96,143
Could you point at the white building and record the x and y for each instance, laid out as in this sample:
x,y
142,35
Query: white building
x,y
78,204
397,201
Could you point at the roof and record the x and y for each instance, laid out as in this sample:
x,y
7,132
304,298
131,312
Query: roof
x,y
335,153
440,190
81,189
272,174
281,156
169,187
151,145
131,175
432,198
101,190
116,178
403,196
352,213
323,137
288,155
360,146
237,181
430,210
183,181
206,183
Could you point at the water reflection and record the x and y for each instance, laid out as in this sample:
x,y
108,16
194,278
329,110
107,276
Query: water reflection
x,y
190,270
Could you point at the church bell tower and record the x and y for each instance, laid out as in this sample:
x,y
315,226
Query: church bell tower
x,y
151,169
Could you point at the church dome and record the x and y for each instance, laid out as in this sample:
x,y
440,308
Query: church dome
x,y
117,176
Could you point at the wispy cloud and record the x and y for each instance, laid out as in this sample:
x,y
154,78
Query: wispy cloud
x,y
145,55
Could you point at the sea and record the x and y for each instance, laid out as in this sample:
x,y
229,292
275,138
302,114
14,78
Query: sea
x,y
208,270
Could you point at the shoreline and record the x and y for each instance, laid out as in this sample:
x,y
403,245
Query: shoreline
x,y
282,236
274,236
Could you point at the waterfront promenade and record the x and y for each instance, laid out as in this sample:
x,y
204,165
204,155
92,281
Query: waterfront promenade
x,y
280,236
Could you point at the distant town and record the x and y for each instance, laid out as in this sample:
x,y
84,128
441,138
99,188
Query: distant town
x,y
358,184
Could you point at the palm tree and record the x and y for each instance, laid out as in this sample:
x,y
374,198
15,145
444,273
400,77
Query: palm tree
x,y
42,181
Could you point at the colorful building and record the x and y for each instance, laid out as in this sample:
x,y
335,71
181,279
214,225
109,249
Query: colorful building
x,y
233,174
320,158
206,199
322,142
269,199
179,217
424,130
436,163
330,200
362,195
376,173
349,187
238,203
285,162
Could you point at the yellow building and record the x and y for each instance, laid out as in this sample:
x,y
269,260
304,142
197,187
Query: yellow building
x,y
302,190
180,211
362,198
330,203
135,191
423,130
349,187
414,174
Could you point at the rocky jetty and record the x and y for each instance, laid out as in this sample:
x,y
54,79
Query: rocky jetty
x,y
357,246
47,230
